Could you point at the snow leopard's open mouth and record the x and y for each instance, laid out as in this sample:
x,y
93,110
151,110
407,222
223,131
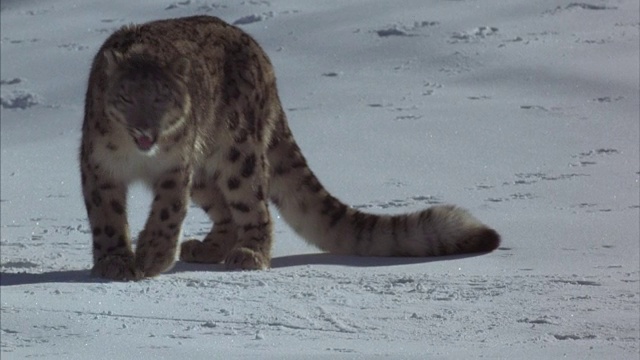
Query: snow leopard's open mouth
x,y
144,142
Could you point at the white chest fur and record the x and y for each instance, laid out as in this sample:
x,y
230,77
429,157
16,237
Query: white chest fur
x,y
121,160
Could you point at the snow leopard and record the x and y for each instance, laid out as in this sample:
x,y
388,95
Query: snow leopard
x,y
189,107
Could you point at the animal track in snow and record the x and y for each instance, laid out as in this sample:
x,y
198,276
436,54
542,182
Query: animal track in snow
x,y
331,74
543,320
407,111
574,337
576,282
13,81
587,158
481,187
73,47
608,99
579,6
407,117
404,30
106,30
399,203
393,31
481,97
553,110
111,20
178,4
476,34
584,159
395,183
586,6
20,41
532,178
253,18
516,196
529,38
19,99
430,88
37,12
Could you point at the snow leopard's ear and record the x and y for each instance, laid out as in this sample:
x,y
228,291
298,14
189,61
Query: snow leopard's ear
x,y
181,67
112,59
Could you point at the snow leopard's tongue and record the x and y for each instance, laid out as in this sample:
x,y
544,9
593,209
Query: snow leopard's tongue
x,y
144,142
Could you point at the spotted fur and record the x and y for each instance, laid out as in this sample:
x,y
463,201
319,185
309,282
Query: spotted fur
x,y
190,107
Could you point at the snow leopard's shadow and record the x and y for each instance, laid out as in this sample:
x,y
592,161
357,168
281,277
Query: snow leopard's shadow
x,y
324,259
357,261
83,276
68,276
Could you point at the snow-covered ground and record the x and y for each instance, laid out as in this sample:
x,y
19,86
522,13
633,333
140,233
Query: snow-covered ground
x,y
525,112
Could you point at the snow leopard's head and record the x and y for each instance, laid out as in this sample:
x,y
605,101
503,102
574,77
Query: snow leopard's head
x,y
145,95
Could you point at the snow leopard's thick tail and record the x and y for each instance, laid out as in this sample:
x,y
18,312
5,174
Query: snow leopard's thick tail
x,y
326,222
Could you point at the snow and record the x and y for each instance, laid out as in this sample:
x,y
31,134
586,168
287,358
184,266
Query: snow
x,y
526,113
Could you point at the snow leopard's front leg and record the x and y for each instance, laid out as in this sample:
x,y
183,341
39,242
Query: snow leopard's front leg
x,y
158,241
105,202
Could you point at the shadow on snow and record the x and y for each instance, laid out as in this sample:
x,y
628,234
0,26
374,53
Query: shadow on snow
x,y
84,276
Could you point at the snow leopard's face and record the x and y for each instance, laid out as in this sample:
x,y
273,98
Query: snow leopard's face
x,y
148,99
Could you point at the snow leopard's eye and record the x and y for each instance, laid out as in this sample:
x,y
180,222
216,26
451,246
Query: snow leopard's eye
x,y
126,100
158,100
